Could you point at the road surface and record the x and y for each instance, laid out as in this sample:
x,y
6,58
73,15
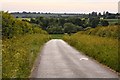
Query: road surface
x,y
59,60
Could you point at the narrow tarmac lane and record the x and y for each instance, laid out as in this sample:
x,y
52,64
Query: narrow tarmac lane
x,y
59,60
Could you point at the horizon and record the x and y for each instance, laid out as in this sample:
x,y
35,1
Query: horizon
x,y
58,12
60,6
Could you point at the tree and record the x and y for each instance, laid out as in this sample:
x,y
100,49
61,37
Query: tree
x,y
78,22
55,30
104,23
12,27
70,28
94,22
62,21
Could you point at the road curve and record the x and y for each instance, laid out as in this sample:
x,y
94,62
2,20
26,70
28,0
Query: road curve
x,y
59,60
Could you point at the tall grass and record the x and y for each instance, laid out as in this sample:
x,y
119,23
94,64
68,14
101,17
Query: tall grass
x,y
103,49
19,53
107,31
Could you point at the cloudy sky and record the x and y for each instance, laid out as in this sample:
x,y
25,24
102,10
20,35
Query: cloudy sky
x,y
60,6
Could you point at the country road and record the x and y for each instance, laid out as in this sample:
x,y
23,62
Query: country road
x,y
59,60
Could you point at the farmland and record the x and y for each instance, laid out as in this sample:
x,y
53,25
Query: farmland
x,y
112,21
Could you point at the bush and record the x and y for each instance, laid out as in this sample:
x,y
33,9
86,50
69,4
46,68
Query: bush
x,y
104,23
12,27
107,31
71,28
21,44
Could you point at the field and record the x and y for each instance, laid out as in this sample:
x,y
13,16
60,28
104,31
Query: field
x,y
112,21
103,49
56,36
19,53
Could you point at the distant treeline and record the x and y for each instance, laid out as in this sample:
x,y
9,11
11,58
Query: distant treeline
x,y
68,25
105,15
55,23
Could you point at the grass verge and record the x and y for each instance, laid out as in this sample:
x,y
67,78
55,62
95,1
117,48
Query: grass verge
x,y
19,53
103,49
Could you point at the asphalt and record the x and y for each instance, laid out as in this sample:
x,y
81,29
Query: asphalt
x,y
59,60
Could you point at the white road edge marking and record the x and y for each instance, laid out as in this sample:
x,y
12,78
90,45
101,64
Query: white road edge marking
x,y
83,58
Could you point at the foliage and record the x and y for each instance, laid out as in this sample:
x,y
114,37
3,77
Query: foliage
x,y
107,31
55,30
94,22
21,44
71,28
57,25
103,49
12,27
19,53
104,23
56,36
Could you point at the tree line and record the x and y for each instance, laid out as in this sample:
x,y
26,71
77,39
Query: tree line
x,y
67,24
105,14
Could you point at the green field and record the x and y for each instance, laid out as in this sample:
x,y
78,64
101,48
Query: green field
x,y
112,21
56,36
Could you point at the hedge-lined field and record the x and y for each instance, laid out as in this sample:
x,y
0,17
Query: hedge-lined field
x,y
103,49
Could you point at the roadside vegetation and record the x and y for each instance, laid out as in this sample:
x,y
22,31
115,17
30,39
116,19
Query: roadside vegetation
x,y
22,39
103,31
21,43
100,43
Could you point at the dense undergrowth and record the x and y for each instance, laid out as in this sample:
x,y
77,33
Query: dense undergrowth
x,y
103,48
19,54
21,43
